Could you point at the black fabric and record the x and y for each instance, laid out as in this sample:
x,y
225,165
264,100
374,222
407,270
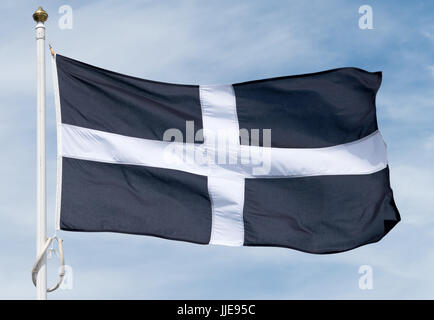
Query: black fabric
x,y
322,214
99,99
313,110
135,199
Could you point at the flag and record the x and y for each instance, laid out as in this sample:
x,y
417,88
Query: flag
x,y
294,161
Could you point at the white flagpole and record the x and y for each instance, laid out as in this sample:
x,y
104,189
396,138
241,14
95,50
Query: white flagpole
x,y
40,16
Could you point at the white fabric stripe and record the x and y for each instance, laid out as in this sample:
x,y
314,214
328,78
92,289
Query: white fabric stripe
x,y
219,113
364,156
95,145
59,142
227,199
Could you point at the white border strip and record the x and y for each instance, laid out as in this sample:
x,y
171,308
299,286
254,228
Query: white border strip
x,y
59,142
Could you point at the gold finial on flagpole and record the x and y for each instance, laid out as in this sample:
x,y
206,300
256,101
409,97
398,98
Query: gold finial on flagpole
x,y
40,15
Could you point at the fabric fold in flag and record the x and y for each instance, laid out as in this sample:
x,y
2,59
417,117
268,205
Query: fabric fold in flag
x,y
294,162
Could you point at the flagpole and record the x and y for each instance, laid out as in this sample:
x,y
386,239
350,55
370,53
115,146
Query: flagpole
x,y
40,16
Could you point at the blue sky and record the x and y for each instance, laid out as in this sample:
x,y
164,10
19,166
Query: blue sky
x,y
206,42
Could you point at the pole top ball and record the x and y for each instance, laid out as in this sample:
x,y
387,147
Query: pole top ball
x,y
40,15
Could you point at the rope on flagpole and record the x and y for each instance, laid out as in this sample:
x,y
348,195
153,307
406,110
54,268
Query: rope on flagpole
x,y
40,258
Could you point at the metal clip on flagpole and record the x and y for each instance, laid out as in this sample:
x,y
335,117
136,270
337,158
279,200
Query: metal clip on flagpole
x,y
41,258
51,50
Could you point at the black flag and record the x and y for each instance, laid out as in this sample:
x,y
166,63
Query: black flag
x,y
294,161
